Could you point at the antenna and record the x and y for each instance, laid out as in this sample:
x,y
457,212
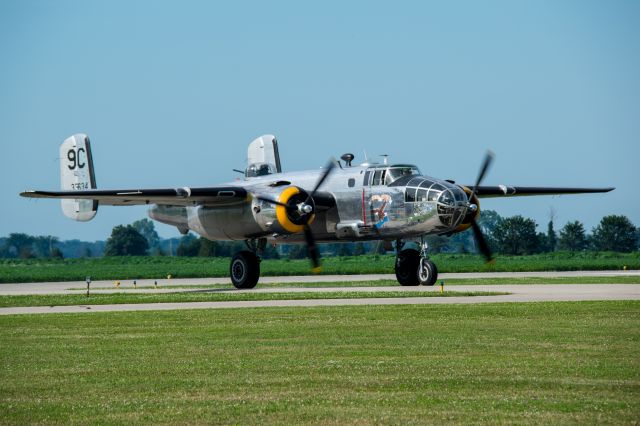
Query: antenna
x,y
366,159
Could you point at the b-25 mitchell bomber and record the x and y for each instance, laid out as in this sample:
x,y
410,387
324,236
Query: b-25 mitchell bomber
x,y
340,202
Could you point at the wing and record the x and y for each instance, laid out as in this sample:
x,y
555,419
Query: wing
x,y
169,196
519,191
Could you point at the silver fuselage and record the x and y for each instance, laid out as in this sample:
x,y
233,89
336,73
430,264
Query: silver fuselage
x,y
367,207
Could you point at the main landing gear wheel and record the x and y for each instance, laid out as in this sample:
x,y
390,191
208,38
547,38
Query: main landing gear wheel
x,y
412,269
407,265
427,272
245,269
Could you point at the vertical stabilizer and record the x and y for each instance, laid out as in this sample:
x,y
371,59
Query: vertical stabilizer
x,y
76,174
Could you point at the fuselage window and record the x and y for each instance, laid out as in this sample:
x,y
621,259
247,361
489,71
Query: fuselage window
x,y
421,195
365,181
351,182
434,191
410,195
376,177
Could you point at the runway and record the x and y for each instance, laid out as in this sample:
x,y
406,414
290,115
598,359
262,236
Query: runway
x,y
518,293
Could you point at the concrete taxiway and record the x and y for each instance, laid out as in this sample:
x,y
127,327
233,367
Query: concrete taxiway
x,y
518,293
64,287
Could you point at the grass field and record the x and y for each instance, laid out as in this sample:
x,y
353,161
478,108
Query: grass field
x,y
200,296
498,363
108,268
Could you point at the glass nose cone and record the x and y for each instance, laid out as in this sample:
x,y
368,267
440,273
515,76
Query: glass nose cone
x,y
451,206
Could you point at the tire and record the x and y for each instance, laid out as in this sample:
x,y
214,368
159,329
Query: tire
x,y
244,270
427,272
407,263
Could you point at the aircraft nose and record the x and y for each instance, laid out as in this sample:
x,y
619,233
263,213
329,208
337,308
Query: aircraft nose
x,y
451,206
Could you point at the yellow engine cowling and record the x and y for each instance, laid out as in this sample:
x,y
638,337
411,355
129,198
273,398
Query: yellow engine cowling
x,y
471,215
279,219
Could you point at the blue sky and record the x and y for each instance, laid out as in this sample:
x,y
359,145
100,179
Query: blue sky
x,y
171,93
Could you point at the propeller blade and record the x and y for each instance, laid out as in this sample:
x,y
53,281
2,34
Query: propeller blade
x,y
330,166
312,249
482,242
485,166
488,158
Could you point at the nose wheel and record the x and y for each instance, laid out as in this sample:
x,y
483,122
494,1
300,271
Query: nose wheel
x,y
427,272
413,267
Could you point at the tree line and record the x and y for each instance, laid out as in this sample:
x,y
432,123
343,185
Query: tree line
x,y
515,235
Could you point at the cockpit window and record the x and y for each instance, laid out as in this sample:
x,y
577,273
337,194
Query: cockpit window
x,y
392,175
396,172
376,177
365,181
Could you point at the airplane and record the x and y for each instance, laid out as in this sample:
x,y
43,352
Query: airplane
x,y
340,202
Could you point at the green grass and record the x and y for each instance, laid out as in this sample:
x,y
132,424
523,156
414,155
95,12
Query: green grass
x,y
120,268
208,296
543,363
632,279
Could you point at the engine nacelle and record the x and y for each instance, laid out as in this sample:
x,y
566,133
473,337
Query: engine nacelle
x,y
471,214
277,218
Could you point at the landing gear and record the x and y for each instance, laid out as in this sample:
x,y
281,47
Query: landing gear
x,y
427,272
413,267
245,269
407,262
245,265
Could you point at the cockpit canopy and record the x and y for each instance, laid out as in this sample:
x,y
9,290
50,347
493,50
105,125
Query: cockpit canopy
x,y
388,175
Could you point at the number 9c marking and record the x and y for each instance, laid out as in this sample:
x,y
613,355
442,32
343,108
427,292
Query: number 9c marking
x,y
74,158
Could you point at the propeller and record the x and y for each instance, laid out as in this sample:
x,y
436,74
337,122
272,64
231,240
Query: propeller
x,y
482,242
327,171
305,209
312,248
477,232
488,159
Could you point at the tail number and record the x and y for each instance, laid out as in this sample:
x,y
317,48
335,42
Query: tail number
x,y
80,185
75,160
